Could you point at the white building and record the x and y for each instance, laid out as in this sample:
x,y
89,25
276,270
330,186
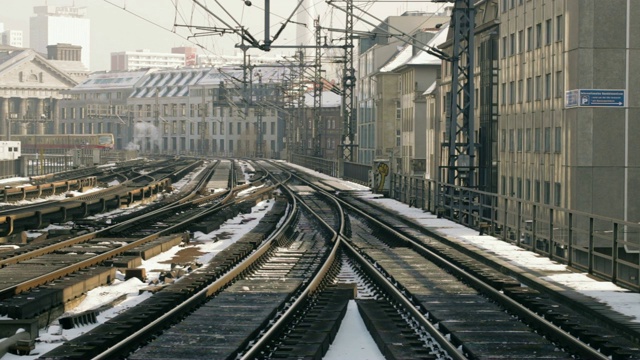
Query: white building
x,y
139,59
10,150
12,38
61,24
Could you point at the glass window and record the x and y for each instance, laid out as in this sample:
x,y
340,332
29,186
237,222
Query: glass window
x,y
557,195
520,41
547,192
538,35
529,90
529,38
559,28
504,46
559,84
538,140
519,139
549,32
558,140
528,139
547,86
511,140
512,44
547,139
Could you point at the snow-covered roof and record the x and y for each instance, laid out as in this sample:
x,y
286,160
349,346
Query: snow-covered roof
x,y
329,99
226,74
431,89
423,57
405,56
169,83
111,80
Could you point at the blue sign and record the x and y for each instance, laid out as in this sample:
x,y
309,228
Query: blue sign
x,y
595,98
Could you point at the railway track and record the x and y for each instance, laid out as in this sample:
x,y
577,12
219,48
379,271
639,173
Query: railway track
x,y
463,300
282,289
61,270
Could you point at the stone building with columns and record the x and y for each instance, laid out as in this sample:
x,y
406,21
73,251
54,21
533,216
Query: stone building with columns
x,y
30,88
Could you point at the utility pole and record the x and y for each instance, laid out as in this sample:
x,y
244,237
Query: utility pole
x,y
259,113
460,142
317,93
348,85
300,93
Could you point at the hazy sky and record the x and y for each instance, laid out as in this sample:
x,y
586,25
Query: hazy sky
x,y
125,25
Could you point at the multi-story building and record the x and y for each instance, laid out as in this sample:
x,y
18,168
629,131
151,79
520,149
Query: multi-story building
x,y
30,89
182,111
140,59
416,70
12,38
375,136
61,24
100,105
579,153
329,131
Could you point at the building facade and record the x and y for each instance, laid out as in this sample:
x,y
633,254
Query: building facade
x,y
578,157
140,59
181,111
61,24
377,124
30,90
12,38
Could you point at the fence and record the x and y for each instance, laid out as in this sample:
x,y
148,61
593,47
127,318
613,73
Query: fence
x,y
605,247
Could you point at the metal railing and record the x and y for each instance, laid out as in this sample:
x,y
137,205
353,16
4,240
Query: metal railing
x,y
601,246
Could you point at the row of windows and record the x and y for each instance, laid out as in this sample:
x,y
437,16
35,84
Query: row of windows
x,y
517,190
167,110
195,145
516,91
523,140
512,46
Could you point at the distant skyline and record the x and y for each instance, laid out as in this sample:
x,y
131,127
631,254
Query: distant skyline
x,y
149,24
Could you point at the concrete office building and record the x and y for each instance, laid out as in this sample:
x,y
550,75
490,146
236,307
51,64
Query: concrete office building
x,y
140,59
12,38
577,152
61,24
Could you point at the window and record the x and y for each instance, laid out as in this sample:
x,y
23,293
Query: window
x,y
549,32
512,190
547,86
528,139
504,185
527,189
239,126
529,38
537,140
519,140
504,140
547,139
559,28
538,87
520,41
559,84
504,5
511,140
538,35
512,44
504,46
512,92
558,140
520,91
536,192
519,191
504,93
273,128
557,196
547,192
529,90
